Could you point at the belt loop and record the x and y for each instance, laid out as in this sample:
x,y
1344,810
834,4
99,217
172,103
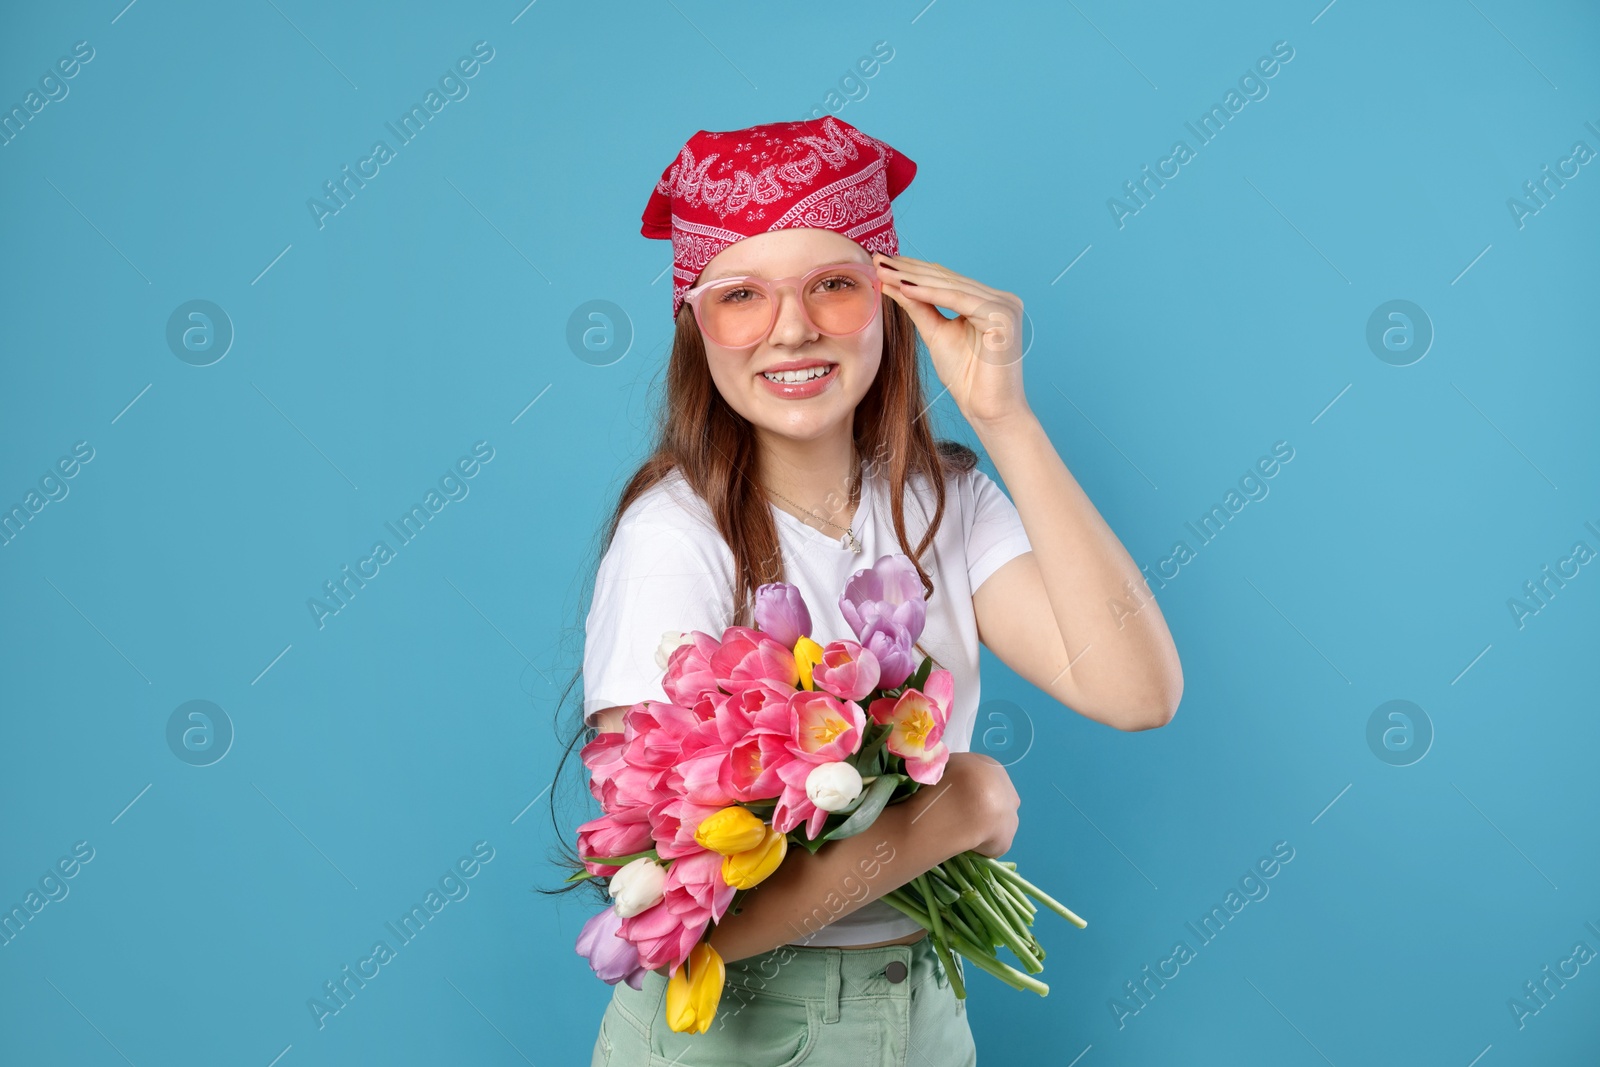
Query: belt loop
x,y
830,1002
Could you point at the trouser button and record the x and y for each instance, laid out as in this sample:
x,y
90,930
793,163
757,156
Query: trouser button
x,y
895,971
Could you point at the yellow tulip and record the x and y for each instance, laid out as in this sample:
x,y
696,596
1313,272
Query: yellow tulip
x,y
733,829
807,654
746,869
694,992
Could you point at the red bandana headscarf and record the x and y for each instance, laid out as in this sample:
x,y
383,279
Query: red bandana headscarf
x,y
819,174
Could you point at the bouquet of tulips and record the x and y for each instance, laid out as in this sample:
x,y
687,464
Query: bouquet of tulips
x,y
766,732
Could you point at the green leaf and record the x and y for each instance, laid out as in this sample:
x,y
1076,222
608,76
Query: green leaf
x,y
920,678
811,846
872,741
849,809
872,802
620,861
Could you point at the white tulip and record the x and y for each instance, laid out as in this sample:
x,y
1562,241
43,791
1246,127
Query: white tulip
x,y
637,886
832,786
670,641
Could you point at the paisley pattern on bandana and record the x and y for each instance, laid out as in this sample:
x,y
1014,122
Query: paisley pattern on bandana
x,y
728,185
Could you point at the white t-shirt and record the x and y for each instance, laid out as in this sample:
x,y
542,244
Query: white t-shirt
x,y
668,568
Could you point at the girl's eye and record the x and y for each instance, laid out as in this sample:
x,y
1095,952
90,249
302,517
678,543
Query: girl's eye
x,y
733,296
836,283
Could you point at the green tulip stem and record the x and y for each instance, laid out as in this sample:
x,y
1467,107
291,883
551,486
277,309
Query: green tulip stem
x,y
937,874
1009,872
1008,974
938,938
994,921
952,917
1002,902
958,922
989,885
971,899
1023,902
1018,897
984,960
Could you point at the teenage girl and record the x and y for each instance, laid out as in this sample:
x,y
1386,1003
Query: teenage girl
x,y
794,446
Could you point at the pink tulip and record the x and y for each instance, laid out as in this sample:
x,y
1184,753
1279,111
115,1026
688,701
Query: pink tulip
x,y
794,805
655,733
781,613
611,836
695,896
753,765
634,787
673,823
689,674
703,779
702,766
614,779
752,729
750,771
740,712
708,705
848,671
823,730
749,657
918,720
663,938
603,757
611,956
695,883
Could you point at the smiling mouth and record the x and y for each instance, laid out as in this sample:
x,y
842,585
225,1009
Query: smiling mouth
x,y
798,377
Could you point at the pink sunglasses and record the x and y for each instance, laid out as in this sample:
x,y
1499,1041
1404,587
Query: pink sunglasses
x,y
740,312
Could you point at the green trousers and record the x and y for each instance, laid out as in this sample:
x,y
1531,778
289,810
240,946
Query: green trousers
x,y
890,1006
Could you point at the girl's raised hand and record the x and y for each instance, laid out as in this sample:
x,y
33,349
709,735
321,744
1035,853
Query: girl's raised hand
x,y
977,354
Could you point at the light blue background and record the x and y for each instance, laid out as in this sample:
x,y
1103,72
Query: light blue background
x,y
1228,314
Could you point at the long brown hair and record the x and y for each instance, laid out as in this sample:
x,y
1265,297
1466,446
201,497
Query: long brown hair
x,y
715,448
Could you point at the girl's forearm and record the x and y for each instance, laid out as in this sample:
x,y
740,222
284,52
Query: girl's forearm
x,y
808,890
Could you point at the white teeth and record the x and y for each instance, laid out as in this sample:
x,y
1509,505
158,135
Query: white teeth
x,y
793,377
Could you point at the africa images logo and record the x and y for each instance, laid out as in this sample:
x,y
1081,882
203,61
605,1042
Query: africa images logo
x,y
452,84
453,486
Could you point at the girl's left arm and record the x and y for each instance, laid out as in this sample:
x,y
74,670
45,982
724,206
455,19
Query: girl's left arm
x,y
1074,616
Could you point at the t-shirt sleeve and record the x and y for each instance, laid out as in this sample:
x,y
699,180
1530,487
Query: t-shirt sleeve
x,y
656,576
995,536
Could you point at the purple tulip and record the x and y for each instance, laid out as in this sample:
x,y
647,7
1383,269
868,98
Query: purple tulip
x,y
781,613
890,644
887,592
610,955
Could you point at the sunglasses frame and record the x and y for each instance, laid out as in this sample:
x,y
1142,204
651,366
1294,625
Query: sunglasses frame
x,y
770,287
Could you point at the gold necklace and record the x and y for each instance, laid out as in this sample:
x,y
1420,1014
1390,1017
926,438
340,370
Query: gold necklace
x,y
849,539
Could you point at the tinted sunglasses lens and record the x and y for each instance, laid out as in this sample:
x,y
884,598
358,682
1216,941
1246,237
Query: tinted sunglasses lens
x,y
735,315
839,300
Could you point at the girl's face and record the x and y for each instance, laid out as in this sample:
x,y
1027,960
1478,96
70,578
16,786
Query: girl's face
x,y
792,344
